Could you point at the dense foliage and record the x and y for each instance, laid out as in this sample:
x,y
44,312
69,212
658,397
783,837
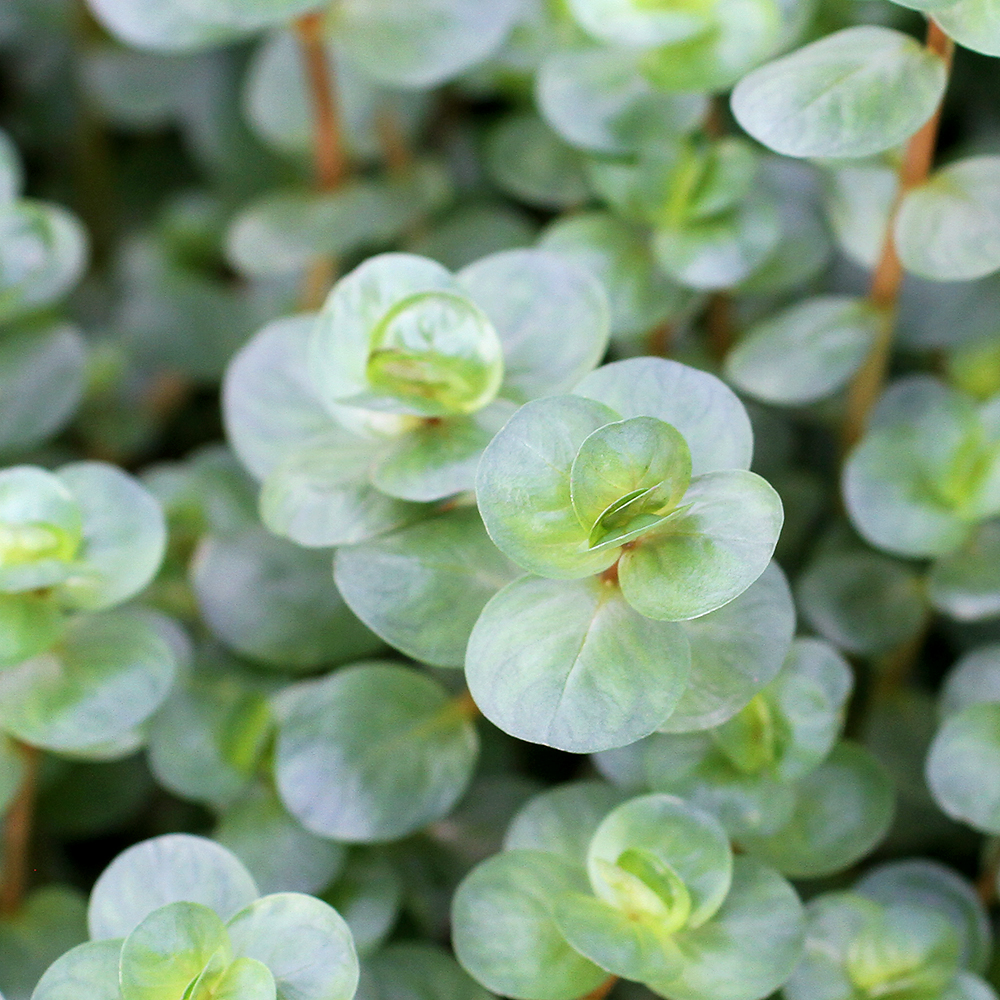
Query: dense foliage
x,y
499,498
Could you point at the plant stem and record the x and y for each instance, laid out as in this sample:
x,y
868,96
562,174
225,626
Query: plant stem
x,y
395,151
603,990
719,325
329,156
17,836
887,278
330,159
466,705
658,339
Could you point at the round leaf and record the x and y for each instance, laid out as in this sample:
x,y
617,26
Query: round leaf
x,y
805,353
703,408
963,766
273,601
551,315
109,674
569,664
947,228
303,941
716,544
423,587
504,907
854,93
89,970
334,748
966,584
169,869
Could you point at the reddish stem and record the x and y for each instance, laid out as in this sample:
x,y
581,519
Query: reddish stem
x,y
887,278
17,836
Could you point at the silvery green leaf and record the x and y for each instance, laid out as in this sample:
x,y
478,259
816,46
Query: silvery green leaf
x,y
851,94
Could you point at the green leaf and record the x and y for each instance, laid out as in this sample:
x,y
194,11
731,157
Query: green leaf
x,y
708,414
806,352
851,94
208,738
167,952
674,836
921,883
916,495
49,922
89,970
974,678
173,868
735,651
523,487
627,474
640,296
334,748
161,25
859,200
303,941
435,354
124,536
862,601
244,979
963,766
569,664
718,542
41,529
562,820
974,24
741,34
551,316
44,253
269,405
627,944
279,233
505,906
438,458
368,896
528,161
11,169
598,100
750,946
42,373
321,495
843,810
108,675
421,588
635,24
721,250
341,341
272,601
411,971
420,43
278,853
946,228
29,625
248,13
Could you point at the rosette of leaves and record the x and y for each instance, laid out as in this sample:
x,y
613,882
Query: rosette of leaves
x,y
745,771
775,774
179,916
713,223
75,543
909,928
927,473
384,402
964,757
691,46
658,898
630,505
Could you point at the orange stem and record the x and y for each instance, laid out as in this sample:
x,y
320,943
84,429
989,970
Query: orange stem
x,y
603,990
17,836
887,278
328,144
